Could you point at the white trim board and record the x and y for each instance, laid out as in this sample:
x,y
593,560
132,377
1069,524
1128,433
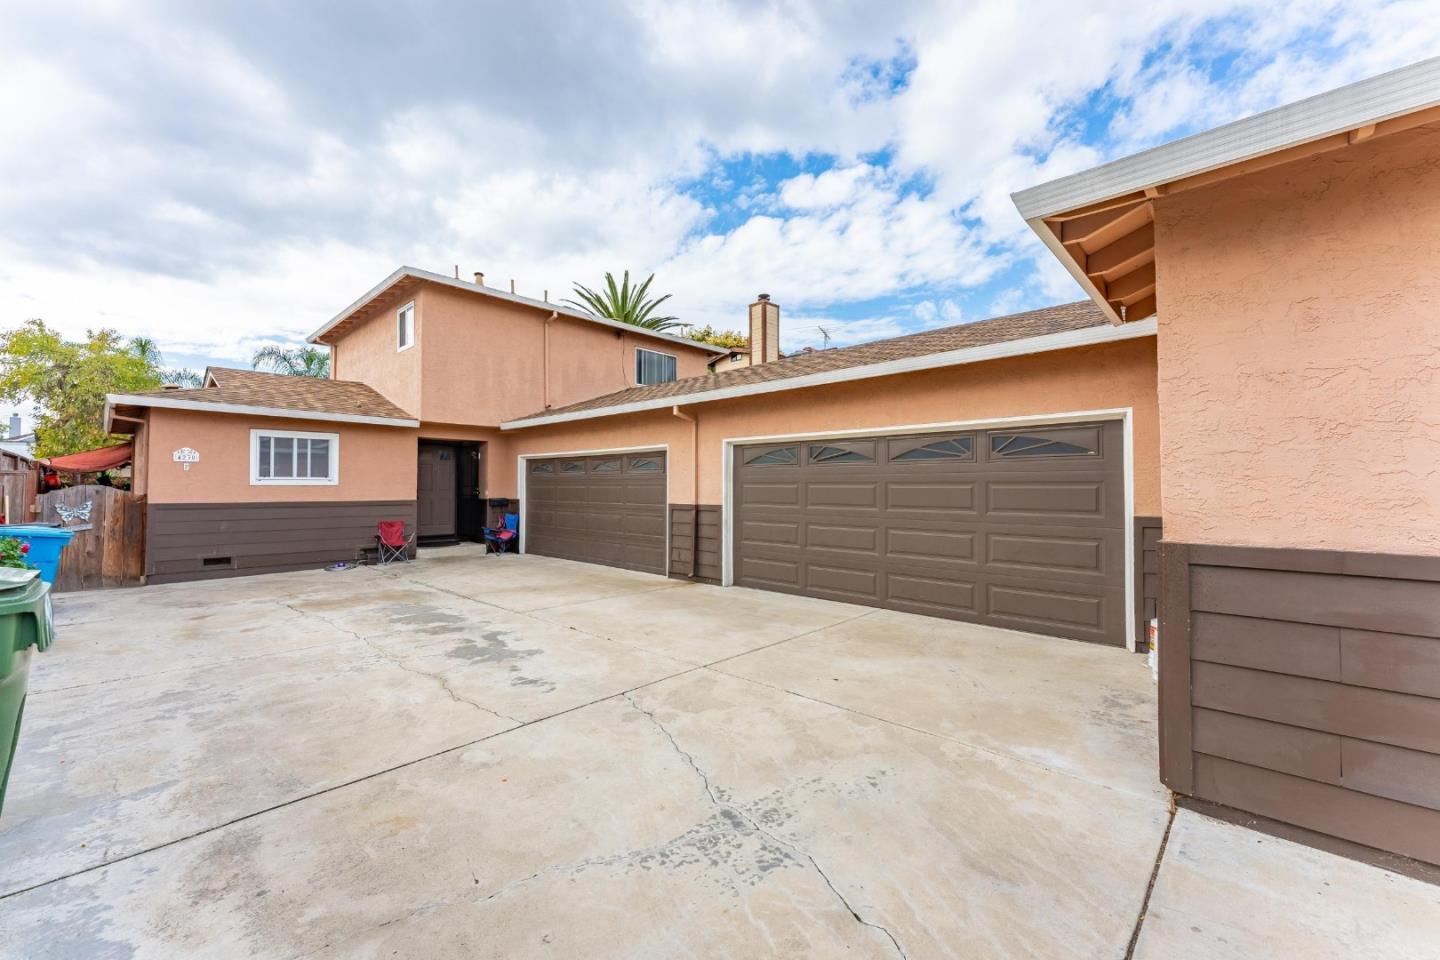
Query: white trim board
x,y
521,473
415,273
166,403
1065,340
1124,414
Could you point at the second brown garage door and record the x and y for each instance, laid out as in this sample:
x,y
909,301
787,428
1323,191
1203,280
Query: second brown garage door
x,y
606,509
1020,528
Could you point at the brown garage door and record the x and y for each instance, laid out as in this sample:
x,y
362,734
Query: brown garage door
x,y
606,509
1020,528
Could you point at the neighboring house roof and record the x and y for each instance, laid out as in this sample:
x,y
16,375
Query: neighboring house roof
x,y
409,274
1050,328
250,392
1099,222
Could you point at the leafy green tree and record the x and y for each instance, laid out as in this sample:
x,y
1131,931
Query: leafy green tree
x,y
719,338
624,303
294,361
68,381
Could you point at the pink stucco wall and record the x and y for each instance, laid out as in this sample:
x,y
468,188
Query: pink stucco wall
x,y
376,463
1299,352
1106,377
484,359
368,353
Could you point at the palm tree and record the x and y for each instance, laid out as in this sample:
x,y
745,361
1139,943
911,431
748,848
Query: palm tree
x,y
182,377
624,303
296,362
146,349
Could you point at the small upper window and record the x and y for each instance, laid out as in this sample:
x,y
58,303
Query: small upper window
x,y
772,456
542,466
405,327
949,448
652,367
287,457
572,466
644,463
1026,445
825,453
605,466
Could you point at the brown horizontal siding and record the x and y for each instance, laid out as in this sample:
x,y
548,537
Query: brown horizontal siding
x,y
683,541
1304,686
1147,575
261,537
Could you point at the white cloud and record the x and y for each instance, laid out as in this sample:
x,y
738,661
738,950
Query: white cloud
x,y
213,177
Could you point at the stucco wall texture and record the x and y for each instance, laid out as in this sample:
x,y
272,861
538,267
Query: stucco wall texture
x,y
1105,377
376,463
1299,352
369,353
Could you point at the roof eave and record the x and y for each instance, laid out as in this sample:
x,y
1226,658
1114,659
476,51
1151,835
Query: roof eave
x,y
237,409
415,273
1064,340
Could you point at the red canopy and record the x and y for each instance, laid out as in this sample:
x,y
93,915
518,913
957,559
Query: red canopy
x,y
92,461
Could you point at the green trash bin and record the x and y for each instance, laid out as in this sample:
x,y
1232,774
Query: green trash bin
x,y
26,625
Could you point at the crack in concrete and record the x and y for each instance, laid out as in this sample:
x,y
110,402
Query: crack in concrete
x,y
1150,887
794,849
399,662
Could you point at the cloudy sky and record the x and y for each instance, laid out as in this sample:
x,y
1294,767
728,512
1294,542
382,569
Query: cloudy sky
x,y
221,175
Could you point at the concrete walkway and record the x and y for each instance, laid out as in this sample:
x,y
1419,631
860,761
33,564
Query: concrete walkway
x,y
521,757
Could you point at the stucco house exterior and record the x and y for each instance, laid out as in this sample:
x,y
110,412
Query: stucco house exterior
x,y
1238,433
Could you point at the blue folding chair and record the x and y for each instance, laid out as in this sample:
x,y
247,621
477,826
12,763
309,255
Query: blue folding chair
x,y
504,538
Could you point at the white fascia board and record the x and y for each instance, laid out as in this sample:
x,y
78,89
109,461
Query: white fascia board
x,y
417,274
952,358
1373,100
115,399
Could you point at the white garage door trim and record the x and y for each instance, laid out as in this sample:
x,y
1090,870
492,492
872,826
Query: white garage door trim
x,y
1124,414
521,471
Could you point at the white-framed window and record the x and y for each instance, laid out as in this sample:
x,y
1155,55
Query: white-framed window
x,y
653,367
290,458
405,327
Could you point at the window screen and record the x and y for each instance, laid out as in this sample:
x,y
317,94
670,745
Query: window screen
x,y
652,367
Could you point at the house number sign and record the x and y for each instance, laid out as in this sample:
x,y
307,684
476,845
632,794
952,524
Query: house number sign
x,y
186,456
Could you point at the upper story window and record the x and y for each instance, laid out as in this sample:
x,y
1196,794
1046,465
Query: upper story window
x,y
653,367
405,327
292,458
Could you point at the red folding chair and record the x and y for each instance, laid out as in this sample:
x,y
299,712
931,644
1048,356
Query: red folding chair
x,y
393,542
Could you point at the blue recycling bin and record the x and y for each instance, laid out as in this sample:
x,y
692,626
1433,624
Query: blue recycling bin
x,y
46,542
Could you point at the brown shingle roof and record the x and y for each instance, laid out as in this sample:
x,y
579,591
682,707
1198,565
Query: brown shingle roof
x,y
252,388
1018,326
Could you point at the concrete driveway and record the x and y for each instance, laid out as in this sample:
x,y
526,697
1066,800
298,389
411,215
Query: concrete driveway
x,y
521,757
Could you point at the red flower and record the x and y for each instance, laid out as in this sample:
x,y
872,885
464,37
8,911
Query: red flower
x,y
24,549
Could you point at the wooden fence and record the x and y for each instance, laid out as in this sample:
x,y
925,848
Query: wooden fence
x,y
19,484
109,549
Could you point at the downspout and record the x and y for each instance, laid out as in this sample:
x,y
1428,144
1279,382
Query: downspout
x,y
545,358
694,485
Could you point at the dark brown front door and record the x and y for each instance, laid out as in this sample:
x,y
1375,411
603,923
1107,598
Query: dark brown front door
x,y
435,507
1021,528
606,509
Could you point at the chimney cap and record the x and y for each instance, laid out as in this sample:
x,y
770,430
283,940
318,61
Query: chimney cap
x,y
762,296
479,279
170,386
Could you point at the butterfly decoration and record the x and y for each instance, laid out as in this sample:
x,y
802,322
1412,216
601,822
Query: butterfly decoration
x,y
69,515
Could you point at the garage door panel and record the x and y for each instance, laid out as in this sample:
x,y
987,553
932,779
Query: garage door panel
x,y
604,512
778,494
1019,528
945,596
917,544
823,535
952,498
769,532
829,494
843,583
760,571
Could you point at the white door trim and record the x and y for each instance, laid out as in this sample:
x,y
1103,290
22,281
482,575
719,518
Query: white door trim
x,y
1124,414
521,472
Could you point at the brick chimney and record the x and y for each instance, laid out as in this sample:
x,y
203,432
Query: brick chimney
x,y
764,330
